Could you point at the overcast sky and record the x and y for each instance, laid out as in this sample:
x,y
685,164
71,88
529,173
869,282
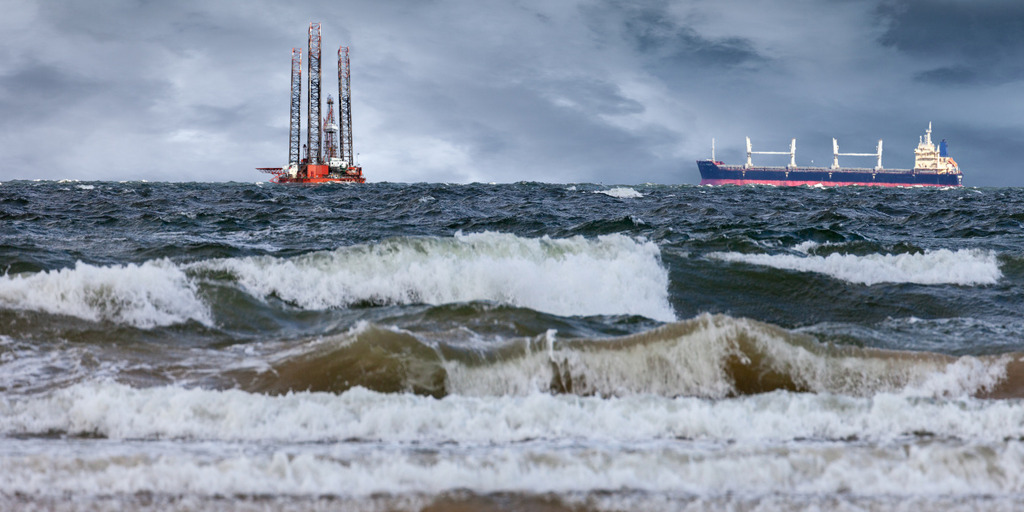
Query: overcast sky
x,y
614,92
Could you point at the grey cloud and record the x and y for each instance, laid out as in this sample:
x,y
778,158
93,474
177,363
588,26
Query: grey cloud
x,y
949,75
975,42
663,40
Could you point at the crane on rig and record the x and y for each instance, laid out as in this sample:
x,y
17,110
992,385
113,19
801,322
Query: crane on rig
x,y
327,155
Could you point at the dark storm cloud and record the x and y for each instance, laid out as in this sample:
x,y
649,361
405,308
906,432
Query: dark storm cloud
x,y
668,47
658,37
38,90
972,42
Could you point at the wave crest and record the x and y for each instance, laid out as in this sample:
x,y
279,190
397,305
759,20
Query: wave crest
x,y
155,293
962,267
612,274
720,356
621,192
706,357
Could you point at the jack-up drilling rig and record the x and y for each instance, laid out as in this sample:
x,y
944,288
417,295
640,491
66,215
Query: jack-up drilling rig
x,y
327,155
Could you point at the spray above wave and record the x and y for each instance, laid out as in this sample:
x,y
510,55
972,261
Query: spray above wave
x,y
609,275
155,293
962,267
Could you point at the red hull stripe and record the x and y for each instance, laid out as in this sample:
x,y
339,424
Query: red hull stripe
x,y
787,183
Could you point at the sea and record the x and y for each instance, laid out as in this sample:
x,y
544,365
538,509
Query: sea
x,y
525,346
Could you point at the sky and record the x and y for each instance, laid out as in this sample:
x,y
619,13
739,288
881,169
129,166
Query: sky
x,y
458,91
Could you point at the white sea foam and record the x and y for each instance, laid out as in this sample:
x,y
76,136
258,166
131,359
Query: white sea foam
x,y
620,192
611,274
155,293
913,469
962,267
117,411
806,246
189,442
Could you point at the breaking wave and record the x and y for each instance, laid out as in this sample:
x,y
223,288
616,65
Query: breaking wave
x,y
608,275
706,357
155,293
719,356
620,192
612,274
961,267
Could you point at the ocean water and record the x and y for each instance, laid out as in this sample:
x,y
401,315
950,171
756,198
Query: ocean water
x,y
510,347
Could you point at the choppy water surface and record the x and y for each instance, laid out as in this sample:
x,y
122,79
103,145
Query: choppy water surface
x,y
523,346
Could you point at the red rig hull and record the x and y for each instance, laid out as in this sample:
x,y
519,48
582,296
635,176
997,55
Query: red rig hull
x,y
319,180
315,174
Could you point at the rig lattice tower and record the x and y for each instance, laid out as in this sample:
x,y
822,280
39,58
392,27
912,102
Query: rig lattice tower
x,y
345,107
313,107
295,119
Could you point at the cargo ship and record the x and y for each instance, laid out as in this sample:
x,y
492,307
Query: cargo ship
x,y
933,167
327,156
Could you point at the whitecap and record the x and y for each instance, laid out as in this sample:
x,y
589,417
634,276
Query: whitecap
x,y
609,275
155,293
620,192
962,267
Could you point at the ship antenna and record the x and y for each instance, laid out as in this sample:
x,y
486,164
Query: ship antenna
x,y
712,149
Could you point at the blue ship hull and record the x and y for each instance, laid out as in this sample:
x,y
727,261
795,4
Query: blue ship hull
x,y
716,173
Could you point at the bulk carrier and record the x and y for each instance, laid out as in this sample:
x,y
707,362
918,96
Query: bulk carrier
x,y
933,167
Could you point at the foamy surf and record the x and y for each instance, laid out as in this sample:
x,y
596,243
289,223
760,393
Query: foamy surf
x,y
116,411
961,267
607,275
155,293
344,470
